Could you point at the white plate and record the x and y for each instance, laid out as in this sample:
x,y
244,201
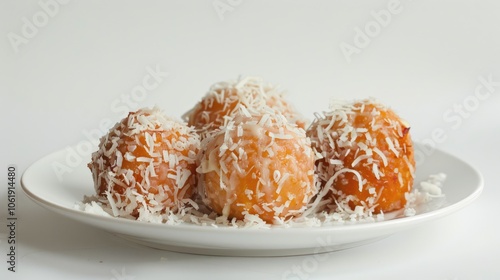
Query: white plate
x,y
463,185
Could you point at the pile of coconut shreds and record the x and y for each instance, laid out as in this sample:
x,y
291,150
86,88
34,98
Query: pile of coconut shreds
x,y
425,196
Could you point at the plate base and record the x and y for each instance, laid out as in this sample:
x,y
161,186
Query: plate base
x,y
158,244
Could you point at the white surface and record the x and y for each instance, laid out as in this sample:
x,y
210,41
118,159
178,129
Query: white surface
x,y
71,76
463,185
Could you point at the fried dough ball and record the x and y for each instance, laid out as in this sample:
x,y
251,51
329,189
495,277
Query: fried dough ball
x,y
258,165
367,157
146,164
223,98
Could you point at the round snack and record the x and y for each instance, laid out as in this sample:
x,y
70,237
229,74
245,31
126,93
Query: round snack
x,y
146,165
365,156
258,165
222,100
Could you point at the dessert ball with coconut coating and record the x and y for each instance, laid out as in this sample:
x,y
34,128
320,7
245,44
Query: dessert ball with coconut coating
x,y
223,99
146,165
366,156
258,166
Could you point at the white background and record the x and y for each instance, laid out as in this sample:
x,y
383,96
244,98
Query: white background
x,y
61,81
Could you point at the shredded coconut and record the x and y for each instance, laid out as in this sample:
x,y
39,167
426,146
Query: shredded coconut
x,y
137,204
418,201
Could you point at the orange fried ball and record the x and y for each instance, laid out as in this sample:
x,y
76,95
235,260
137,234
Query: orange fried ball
x,y
366,156
258,165
223,98
146,165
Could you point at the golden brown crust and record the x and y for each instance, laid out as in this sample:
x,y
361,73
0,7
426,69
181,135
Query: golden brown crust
x,y
258,165
370,148
146,164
